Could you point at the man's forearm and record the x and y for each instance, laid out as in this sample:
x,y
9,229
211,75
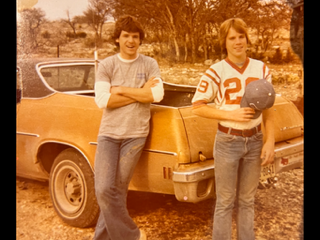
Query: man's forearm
x,y
143,95
238,115
116,101
210,112
267,152
268,121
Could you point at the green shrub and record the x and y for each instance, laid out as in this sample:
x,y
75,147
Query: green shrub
x,y
46,34
289,56
277,57
81,35
91,42
70,35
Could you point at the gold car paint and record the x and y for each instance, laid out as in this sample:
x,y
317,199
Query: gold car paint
x,y
176,143
74,120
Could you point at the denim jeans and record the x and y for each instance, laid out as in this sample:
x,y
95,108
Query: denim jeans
x,y
237,172
115,162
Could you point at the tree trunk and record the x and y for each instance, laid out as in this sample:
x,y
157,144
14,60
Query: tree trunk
x,y
174,32
186,48
205,49
176,45
100,32
193,48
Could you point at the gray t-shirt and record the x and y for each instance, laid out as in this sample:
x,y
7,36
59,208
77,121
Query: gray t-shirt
x,y
130,121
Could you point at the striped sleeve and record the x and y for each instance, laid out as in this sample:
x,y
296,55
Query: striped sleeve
x,y
207,89
266,73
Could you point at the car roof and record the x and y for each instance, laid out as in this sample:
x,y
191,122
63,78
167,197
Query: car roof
x,y
173,91
53,60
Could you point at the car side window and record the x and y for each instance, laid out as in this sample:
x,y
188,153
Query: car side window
x,y
69,78
18,86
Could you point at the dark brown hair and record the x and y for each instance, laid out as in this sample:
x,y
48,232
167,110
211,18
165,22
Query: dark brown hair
x,y
237,24
129,24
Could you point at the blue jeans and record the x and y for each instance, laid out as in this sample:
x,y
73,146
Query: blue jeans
x,y
237,172
115,162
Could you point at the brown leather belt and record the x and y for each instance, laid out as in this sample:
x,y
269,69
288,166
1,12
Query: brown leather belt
x,y
239,132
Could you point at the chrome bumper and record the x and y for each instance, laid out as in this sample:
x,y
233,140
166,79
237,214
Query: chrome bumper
x,y
194,182
289,155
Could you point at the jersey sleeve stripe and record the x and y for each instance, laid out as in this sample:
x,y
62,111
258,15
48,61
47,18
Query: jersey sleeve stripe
x,y
215,73
215,81
267,75
266,72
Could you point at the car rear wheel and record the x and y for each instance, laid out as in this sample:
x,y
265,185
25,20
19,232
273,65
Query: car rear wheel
x,y
71,187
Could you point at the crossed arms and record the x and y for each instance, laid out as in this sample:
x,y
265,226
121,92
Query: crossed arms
x,y
115,97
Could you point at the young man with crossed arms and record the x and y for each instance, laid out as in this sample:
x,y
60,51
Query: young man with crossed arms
x,y
126,84
238,158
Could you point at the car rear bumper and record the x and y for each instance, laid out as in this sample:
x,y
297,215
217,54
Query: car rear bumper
x,y
289,155
194,182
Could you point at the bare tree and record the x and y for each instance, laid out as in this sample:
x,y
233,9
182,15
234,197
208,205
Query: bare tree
x,y
97,14
161,17
71,22
268,18
187,23
170,16
29,24
194,24
196,14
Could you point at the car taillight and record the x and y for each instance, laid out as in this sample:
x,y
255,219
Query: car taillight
x,y
284,161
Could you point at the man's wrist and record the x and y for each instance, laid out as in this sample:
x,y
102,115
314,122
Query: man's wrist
x,y
121,90
227,115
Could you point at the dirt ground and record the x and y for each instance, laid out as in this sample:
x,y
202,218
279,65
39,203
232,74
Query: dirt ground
x,y
278,214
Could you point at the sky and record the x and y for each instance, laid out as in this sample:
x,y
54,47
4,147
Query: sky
x,y
56,9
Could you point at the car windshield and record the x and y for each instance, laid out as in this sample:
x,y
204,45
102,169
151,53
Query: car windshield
x,y
67,78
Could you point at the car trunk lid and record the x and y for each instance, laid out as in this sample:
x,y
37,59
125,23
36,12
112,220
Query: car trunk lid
x,y
288,123
201,134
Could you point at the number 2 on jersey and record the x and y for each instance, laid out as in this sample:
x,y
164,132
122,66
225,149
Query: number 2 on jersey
x,y
236,89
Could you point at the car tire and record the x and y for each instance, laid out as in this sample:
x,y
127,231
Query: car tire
x,y
71,187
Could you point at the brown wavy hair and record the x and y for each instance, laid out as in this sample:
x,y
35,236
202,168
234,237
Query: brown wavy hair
x,y
129,24
237,24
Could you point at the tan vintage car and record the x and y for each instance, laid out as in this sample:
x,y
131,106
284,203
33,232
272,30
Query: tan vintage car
x,y
57,127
